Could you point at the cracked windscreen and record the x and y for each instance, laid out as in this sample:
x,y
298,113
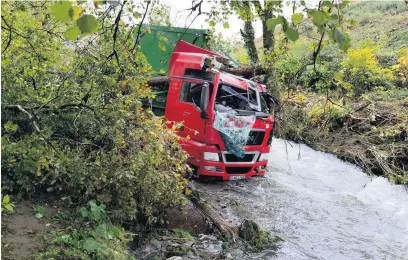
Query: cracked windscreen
x,y
234,98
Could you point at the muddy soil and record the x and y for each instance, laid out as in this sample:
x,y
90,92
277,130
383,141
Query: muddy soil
x,y
24,231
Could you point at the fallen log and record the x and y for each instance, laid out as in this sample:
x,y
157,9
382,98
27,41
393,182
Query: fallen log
x,y
158,81
209,213
244,72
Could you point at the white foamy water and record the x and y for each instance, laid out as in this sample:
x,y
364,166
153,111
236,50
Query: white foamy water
x,y
322,207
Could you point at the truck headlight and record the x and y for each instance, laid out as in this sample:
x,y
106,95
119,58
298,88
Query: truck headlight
x,y
211,157
263,157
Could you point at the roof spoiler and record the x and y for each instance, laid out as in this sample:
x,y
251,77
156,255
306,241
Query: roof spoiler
x,y
183,46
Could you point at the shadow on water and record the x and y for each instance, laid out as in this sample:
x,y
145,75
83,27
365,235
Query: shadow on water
x,y
322,208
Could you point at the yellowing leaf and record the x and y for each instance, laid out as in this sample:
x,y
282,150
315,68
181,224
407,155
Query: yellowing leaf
x,y
75,12
6,199
123,83
9,207
297,18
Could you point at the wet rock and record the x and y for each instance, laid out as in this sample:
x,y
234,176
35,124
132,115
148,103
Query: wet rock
x,y
175,258
228,256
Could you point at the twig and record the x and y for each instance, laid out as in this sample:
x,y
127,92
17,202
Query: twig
x,y
140,27
30,116
32,119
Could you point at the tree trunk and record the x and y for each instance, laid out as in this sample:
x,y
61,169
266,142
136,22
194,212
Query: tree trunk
x,y
248,34
264,14
268,38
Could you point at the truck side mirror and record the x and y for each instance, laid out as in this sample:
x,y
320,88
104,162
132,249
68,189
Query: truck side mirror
x,y
205,93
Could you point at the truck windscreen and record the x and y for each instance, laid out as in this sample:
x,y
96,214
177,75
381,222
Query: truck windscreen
x,y
237,98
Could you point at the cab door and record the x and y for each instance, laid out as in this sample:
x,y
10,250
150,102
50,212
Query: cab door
x,y
183,107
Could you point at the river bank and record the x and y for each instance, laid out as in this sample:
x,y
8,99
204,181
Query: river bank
x,y
369,131
320,206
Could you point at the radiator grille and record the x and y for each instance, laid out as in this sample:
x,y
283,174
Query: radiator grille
x,y
229,157
255,137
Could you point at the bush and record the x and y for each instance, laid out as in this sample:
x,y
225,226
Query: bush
x,y
72,121
360,71
401,69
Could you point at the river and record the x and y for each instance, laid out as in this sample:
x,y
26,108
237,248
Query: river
x,y
322,208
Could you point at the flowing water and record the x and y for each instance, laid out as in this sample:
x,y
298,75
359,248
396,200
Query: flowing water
x,y
322,207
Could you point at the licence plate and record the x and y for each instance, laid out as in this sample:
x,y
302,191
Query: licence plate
x,y
236,177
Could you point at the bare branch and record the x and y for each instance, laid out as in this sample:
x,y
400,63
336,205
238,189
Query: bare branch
x,y
140,27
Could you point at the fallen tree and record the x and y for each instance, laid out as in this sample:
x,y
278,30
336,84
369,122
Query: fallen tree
x,y
245,72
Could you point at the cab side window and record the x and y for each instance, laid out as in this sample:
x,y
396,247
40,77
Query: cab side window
x,y
191,93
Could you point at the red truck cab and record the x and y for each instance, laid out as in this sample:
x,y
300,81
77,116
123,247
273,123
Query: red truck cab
x,y
196,93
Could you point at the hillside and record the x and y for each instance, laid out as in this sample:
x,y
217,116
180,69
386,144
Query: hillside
x,y
384,22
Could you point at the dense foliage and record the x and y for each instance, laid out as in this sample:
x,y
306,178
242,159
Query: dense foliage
x,y
72,120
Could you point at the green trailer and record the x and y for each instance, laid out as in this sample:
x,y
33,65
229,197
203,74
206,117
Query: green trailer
x,y
157,42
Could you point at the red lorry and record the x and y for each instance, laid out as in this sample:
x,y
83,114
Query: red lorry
x,y
198,96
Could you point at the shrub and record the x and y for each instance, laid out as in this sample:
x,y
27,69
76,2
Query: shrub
x,y
401,69
360,71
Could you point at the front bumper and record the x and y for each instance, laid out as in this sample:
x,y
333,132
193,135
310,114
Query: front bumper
x,y
226,171
233,170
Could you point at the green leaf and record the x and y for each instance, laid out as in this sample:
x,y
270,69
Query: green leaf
x,y
91,245
345,44
84,212
137,15
9,207
327,3
92,203
10,127
342,39
101,230
96,213
226,25
211,23
75,12
338,35
38,215
88,24
40,209
115,231
334,17
297,18
72,33
271,23
6,199
319,18
318,59
61,11
292,34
